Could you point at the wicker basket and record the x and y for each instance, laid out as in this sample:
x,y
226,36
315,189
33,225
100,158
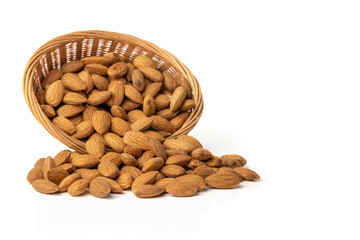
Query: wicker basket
x,y
96,43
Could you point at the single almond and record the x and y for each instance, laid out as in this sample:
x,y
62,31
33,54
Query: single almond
x,y
203,171
101,82
101,121
99,98
195,179
117,90
68,111
144,61
162,101
67,181
142,124
137,139
114,186
162,124
133,94
64,124
128,159
177,98
118,111
96,68
187,105
72,66
96,59
179,120
78,187
85,76
190,139
247,174
119,126
146,191
95,147
201,154
108,169
137,79
99,187
223,180
169,82
180,160
167,113
83,130
152,89
73,82
172,152
85,161
164,182
236,157
135,151
145,178
152,74
155,135
153,164
91,174
113,157
54,74
172,170
45,186
55,93
74,98
49,163
176,144
115,142
56,175
40,96
48,110
129,105
35,174
149,106
214,161
117,70
182,188
125,180
135,115
157,148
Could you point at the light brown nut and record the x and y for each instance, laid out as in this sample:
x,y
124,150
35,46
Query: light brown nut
x,y
86,78
67,181
155,135
131,68
157,148
85,161
117,70
118,111
49,163
48,110
162,124
223,180
100,82
54,74
146,191
144,158
64,124
113,157
179,120
182,189
108,169
180,160
135,115
83,130
67,166
160,176
125,180
39,163
119,126
115,142
112,57
194,163
176,144
183,82
128,159
96,59
164,182
77,119
214,161
172,152
72,66
95,147
247,174
137,79
134,171
135,151
153,164
201,154
115,187
144,61
98,98
101,121
73,82
99,187
54,94
117,90
187,105
137,139
133,94
172,170
167,113
40,96
145,178
195,179
152,89
149,105
169,82
56,175
236,157
89,112
152,74
99,137
78,187
204,171
45,186
129,105
68,111
62,157
142,124
229,170
96,68
161,101
74,98
177,98
35,174
231,163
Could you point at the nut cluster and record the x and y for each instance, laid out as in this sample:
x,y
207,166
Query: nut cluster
x,y
103,97
149,166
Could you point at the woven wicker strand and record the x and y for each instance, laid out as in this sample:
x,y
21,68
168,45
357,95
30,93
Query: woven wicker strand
x,y
96,43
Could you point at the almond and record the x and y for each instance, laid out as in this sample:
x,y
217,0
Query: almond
x,y
96,68
162,101
99,98
137,79
95,147
128,159
118,111
83,130
91,174
157,148
119,126
87,79
223,180
133,94
117,70
142,124
48,110
89,112
64,124
56,175
201,154
73,66
214,161
99,137
236,157
164,182
67,181
77,119
152,89
40,96
114,186
162,124
190,139
73,82
194,163
144,158
169,82
177,98
155,135
44,186
49,163
172,170
117,90
195,179
183,82
180,160
74,98
137,139
101,121
113,157
187,105
85,161
135,151
144,61
67,167
182,188
62,157
53,75
39,163
131,68
231,163
125,180
135,115
229,170
112,57
100,82
179,120
167,113
129,105
149,106
115,142
99,187
152,74
78,187
108,169
55,93
153,164
247,174
96,59
146,191
34,174
145,178
68,111
203,171
176,144
172,152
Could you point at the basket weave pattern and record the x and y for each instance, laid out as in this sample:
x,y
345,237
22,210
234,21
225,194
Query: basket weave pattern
x,y
77,45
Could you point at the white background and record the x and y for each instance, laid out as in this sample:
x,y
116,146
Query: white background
x,y
280,82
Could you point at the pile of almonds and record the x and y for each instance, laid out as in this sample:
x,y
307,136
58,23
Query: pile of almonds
x,y
181,167
124,113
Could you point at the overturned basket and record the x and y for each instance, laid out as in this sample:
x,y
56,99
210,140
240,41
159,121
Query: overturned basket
x,y
77,45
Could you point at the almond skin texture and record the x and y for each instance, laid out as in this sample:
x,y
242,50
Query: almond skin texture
x,y
39,163
118,111
176,144
119,126
113,157
155,135
152,74
231,163
101,121
78,187
64,124
62,157
149,105
40,95
67,181
135,115
35,174
153,164
125,180
115,187
85,161
115,142
100,82
49,163
89,112
152,89
144,61
99,98
179,120
214,161
172,170
91,174
142,124
146,191
229,170
162,124
133,94
83,130
145,178
236,157
135,151
177,98
180,160
137,139
157,148
68,111
96,59
86,78
164,182
55,93
128,159
195,179
48,110
95,147
161,101
117,70
56,175
73,82
169,82
201,154
108,169
117,90
99,187
72,66
74,98
204,171
53,75
182,189
96,68
144,158
247,174
187,105
223,180
137,79
45,186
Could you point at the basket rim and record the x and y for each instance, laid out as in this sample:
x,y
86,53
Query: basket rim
x,y
33,104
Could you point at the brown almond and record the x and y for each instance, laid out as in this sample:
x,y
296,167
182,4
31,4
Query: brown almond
x,y
203,171
177,98
162,101
89,112
96,68
45,186
34,174
78,187
91,174
62,157
74,98
145,178
118,111
190,139
187,105
68,111
87,79
229,170
247,174
131,68
67,181
180,160
83,130
223,180
114,186
146,191
56,175
164,182
72,66
115,142
77,119
133,94
142,124
137,139
54,74
162,124
201,154
144,61
177,144
49,163
125,180
135,151
236,157
99,137
108,169
48,110
40,96
157,148
135,115
167,113
99,187
182,188
194,163
153,164
137,79
133,171
214,161
96,59
95,147
195,179
67,167
73,82
112,57
169,82
152,89
113,157
85,161
183,82
100,82
155,135
172,170
99,98
129,105
149,106
179,120
128,159
119,126
117,70
101,121
172,152
39,163
144,158
64,124
152,74
55,93
117,90
231,163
